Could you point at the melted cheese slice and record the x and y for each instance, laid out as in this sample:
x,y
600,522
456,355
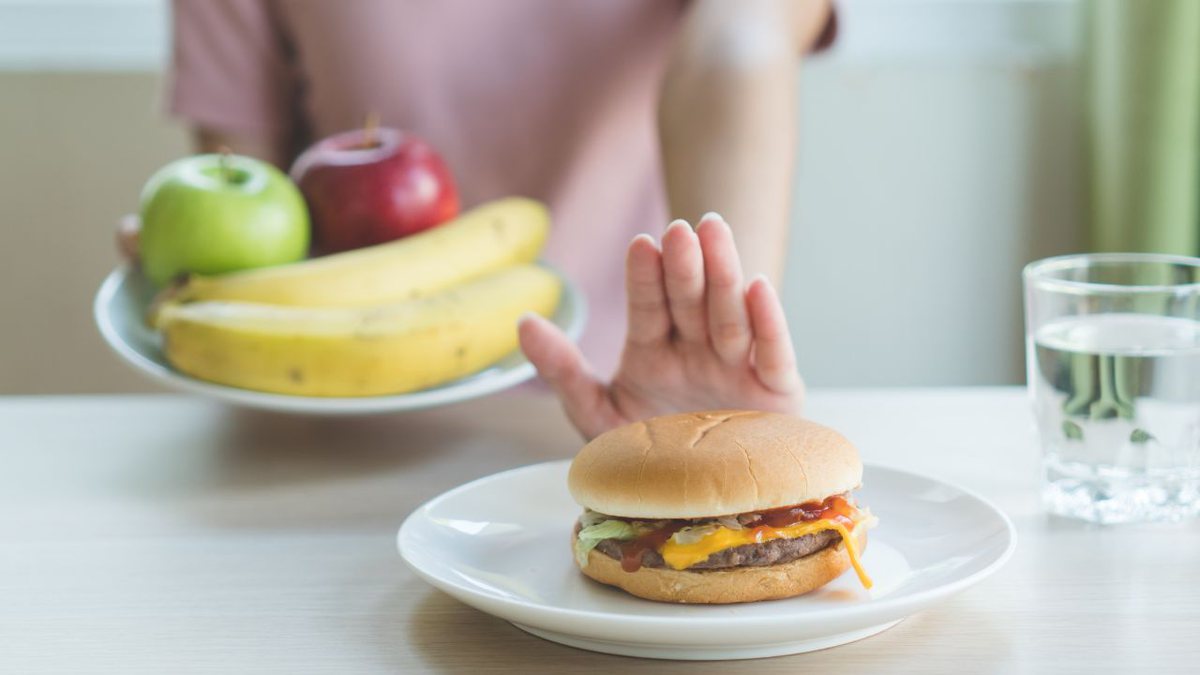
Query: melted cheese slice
x,y
681,556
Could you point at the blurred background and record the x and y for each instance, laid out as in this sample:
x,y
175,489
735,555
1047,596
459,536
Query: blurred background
x,y
943,144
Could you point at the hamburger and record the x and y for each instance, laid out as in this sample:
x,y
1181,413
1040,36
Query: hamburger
x,y
719,507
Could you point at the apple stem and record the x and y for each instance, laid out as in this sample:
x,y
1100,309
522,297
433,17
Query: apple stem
x,y
371,129
223,163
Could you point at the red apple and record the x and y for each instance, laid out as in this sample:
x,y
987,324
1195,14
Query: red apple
x,y
372,185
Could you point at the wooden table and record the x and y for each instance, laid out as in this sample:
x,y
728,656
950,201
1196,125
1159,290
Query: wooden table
x,y
169,534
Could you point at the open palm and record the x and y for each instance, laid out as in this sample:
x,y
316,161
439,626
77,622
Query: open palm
x,y
699,338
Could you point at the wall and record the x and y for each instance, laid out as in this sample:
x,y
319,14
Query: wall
x,y
939,152
923,188
76,149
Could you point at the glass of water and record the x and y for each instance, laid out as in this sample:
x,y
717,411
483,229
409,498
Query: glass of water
x,y
1113,359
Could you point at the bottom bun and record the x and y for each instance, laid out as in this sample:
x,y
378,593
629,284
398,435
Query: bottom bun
x,y
725,586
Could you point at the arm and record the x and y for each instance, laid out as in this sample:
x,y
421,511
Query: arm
x,y
233,78
727,117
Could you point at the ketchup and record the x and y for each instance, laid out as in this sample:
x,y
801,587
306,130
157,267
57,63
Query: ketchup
x,y
833,508
631,551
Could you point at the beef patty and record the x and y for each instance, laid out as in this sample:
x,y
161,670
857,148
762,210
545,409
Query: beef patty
x,y
774,552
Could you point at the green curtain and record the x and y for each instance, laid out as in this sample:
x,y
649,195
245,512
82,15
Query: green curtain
x,y
1144,131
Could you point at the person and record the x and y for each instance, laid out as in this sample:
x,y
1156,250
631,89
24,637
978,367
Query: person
x,y
611,111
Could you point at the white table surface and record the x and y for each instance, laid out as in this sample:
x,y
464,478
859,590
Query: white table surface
x,y
169,534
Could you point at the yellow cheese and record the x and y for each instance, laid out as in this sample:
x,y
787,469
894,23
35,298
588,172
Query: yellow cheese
x,y
681,556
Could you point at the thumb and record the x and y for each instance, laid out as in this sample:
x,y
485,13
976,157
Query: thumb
x,y
560,364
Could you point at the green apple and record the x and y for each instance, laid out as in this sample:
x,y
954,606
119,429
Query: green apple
x,y
211,214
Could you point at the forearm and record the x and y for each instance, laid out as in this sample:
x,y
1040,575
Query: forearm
x,y
727,119
727,146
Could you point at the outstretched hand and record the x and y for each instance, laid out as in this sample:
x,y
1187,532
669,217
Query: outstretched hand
x,y
699,338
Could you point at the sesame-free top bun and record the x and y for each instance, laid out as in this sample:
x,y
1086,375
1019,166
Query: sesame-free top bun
x,y
715,463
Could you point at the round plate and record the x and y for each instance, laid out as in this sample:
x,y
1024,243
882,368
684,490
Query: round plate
x,y
502,544
124,296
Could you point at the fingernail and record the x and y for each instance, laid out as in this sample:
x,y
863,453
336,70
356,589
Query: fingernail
x,y
678,223
760,277
528,316
712,215
645,237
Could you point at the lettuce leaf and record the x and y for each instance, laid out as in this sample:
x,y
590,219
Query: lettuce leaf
x,y
694,533
592,535
591,517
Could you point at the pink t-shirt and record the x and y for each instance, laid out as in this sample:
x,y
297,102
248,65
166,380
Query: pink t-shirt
x,y
552,99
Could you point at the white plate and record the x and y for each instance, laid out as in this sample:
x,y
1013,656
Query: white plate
x,y
502,544
124,296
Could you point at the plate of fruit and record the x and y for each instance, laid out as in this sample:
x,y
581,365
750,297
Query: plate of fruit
x,y
404,309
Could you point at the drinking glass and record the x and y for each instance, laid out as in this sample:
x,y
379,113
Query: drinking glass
x,y
1113,366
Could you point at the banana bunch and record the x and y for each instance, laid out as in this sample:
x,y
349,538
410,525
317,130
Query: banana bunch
x,y
387,319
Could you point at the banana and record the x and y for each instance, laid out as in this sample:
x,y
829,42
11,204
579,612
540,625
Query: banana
x,y
488,238
362,351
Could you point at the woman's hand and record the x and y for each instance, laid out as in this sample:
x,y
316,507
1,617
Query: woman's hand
x,y
699,338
